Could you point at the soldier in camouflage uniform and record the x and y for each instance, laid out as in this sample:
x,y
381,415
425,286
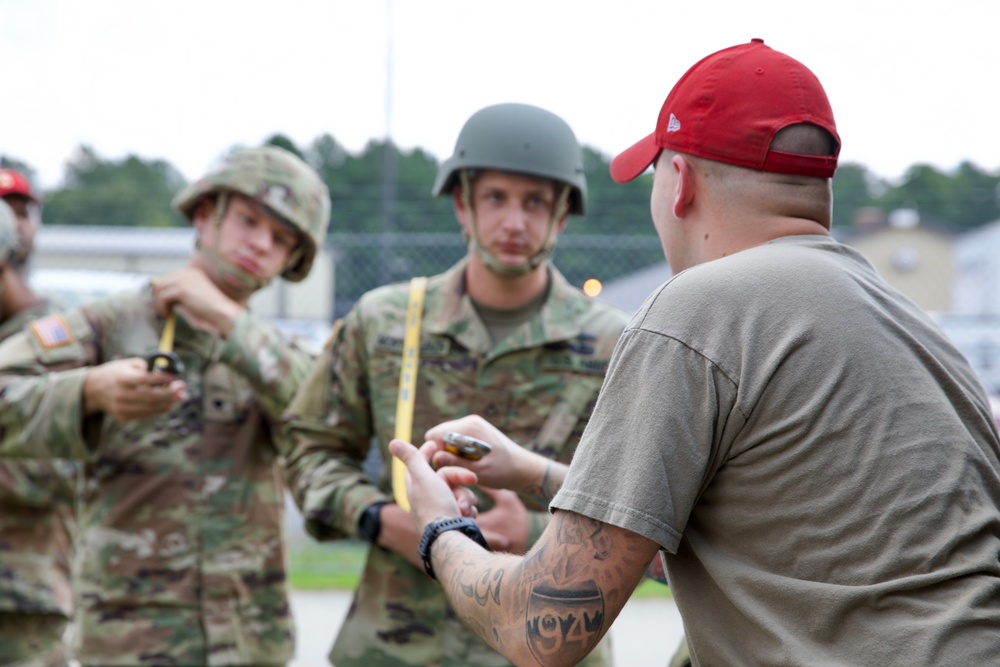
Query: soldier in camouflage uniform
x,y
503,335
16,190
180,559
36,499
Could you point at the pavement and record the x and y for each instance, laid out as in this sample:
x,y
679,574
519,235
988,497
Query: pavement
x,y
645,634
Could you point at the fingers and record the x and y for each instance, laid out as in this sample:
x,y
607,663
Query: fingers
x,y
137,393
473,425
407,453
443,459
165,293
456,476
430,493
467,501
427,450
464,496
149,379
142,401
180,287
420,469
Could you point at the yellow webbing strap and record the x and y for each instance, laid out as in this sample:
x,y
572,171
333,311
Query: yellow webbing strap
x,y
166,340
407,385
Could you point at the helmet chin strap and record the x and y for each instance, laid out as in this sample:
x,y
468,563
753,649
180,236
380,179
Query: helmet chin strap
x,y
491,262
221,266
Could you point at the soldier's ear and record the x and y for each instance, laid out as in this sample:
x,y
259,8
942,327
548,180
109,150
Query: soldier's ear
x,y
204,212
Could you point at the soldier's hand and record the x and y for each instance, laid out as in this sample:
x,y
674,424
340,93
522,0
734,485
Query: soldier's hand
x,y
126,390
431,494
505,525
507,466
192,292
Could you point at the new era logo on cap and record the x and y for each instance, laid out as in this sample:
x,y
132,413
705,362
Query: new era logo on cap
x,y
674,125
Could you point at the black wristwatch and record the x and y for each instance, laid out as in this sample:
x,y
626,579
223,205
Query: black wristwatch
x,y
370,524
434,529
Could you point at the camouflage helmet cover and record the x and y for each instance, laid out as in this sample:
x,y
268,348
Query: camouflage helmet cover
x,y
283,183
522,139
9,241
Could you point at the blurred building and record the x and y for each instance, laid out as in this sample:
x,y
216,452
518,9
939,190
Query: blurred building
x,y
976,286
914,257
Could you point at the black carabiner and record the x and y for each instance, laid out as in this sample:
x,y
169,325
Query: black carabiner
x,y
166,362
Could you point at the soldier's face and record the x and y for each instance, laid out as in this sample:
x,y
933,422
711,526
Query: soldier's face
x,y
29,219
247,236
512,214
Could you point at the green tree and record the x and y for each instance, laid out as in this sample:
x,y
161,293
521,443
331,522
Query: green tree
x,y
127,192
964,199
854,188
282,141
19,165
978,193
927,190
358,184
619,208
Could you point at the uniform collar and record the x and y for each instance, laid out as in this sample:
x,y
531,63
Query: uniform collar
x,y
448,311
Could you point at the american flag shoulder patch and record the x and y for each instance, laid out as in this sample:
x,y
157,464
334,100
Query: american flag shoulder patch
x,y
52,331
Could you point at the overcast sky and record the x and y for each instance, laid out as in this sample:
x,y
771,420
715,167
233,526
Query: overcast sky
x,y
910,81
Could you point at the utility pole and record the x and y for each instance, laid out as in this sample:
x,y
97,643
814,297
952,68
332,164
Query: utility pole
x,y
389,167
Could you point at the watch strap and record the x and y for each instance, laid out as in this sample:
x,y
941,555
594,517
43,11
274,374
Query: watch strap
x,y
370,523
436,528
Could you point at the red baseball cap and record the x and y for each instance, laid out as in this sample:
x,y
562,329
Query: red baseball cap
x,y
14,183
729,106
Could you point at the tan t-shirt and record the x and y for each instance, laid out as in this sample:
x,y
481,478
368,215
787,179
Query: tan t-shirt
x,y
817,458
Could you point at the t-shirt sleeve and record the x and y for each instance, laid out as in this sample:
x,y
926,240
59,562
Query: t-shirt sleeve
x,y
654,440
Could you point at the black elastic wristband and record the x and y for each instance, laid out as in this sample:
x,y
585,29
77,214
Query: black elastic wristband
x,y
370,524
435,528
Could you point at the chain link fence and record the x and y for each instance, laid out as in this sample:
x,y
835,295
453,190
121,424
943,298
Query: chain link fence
x,y
75,264
366,261
955,277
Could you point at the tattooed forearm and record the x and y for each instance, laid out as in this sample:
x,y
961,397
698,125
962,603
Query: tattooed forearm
x,y
560,621
486,588
552,606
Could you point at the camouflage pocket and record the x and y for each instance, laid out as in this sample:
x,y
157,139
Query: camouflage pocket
x,y
259,631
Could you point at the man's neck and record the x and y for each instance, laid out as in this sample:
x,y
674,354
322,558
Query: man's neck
x,y
496,291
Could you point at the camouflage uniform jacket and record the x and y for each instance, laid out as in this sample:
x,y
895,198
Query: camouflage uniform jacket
x,y
180,557
36,520
538,385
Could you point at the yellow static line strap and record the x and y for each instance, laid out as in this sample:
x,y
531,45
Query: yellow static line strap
x,y
408,384
166,340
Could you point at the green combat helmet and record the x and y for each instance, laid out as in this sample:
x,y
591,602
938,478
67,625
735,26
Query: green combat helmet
x,y
284,184
521,139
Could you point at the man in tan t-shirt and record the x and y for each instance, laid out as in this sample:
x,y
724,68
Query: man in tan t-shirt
x,y
818,463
